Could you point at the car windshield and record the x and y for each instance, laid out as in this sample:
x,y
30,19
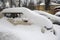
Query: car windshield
x,y
12,15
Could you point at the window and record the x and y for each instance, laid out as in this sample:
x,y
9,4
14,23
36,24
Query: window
x,y
13,15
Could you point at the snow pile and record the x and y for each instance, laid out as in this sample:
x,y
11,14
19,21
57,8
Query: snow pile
x,y
6,30
57,29
25,32
1,4
28,32
57,7
53,18
7,5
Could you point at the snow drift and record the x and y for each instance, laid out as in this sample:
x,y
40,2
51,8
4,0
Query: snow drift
x,y
53,18
52,3
33,17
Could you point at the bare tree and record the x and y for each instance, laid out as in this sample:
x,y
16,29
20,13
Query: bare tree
x,y
47,4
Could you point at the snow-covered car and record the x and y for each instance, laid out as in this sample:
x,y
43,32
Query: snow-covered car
x,y
29,26
53,18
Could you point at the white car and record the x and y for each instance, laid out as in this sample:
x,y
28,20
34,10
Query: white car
x,y
26,25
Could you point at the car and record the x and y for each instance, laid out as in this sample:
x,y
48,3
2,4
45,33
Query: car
x,y
25,13
57,9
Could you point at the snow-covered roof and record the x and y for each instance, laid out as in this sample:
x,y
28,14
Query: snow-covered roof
x,y
13,10
50,4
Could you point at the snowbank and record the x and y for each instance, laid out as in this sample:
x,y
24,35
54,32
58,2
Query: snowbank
x,y
53,18
22,32
35,18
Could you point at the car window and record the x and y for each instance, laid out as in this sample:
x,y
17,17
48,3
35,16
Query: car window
x,y
12,15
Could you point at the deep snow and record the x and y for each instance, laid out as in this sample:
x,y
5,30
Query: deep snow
x,y
52,3
24,32
53,18
27,32
32,17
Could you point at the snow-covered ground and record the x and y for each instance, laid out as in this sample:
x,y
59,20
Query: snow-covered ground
x,y
27,32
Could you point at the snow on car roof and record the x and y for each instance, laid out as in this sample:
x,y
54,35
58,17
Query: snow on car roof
x,y
14,10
